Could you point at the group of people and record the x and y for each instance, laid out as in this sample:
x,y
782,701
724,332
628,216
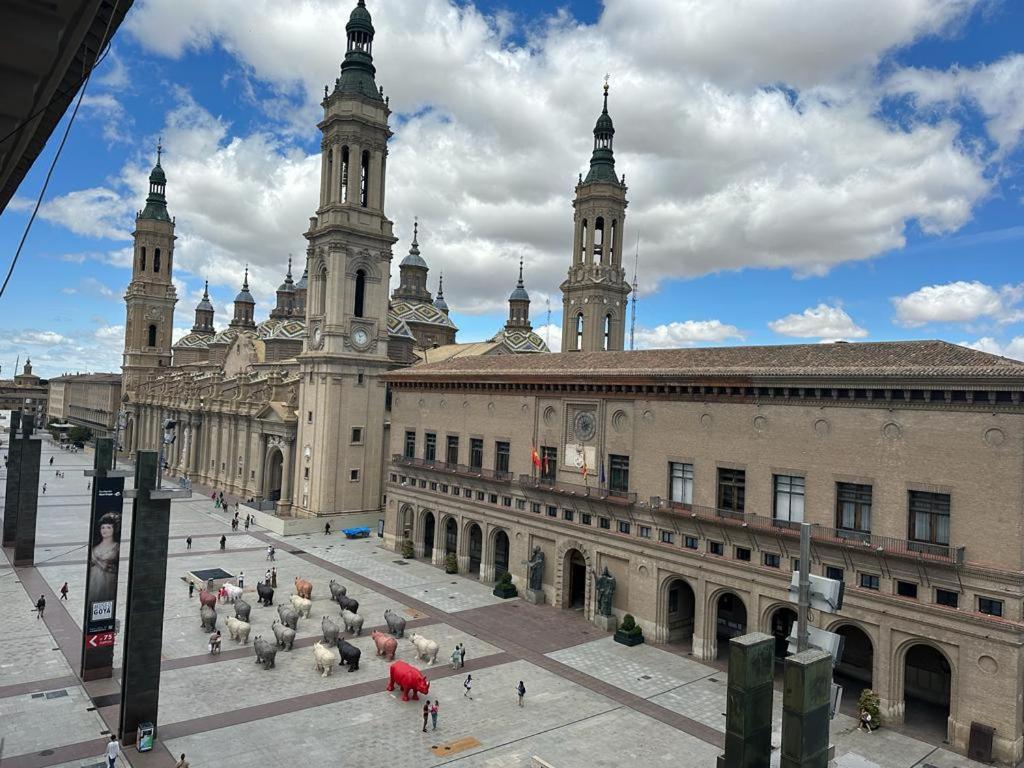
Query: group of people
x,y
249,520
458,656
270,554
430,708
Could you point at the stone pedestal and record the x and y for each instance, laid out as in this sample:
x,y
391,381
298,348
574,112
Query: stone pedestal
x,y
748,719
607,623
805,700
534,596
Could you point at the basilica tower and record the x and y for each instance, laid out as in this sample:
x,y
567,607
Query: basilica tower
x,y
594,293
151,296
341,398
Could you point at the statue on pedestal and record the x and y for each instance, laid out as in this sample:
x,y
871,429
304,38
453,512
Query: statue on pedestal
x,y
605,586
535,568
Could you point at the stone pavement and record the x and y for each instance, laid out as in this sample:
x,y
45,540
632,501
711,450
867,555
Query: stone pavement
x,y
590,702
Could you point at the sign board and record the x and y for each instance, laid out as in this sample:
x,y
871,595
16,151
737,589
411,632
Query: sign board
x,y
101,577
100,640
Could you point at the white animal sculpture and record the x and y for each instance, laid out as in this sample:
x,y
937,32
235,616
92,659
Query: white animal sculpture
x,y
238,629
231,593
353,621
301,605
425,649
324,658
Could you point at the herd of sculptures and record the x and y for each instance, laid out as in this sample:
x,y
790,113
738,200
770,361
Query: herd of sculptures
x,y
300,604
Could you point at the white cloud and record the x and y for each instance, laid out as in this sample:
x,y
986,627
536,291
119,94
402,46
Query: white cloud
x,y
96,348
958,302
685,334
39,338
822,322
552,335
117,125
94,212
1013,349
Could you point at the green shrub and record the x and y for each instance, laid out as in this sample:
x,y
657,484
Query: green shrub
x,y
408,550
505,578
870,701
451,563
629,625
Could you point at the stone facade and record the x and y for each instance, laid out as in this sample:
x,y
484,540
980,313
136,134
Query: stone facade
x,y
27,393
89,400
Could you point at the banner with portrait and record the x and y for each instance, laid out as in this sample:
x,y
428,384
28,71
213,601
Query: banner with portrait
x,y
104,552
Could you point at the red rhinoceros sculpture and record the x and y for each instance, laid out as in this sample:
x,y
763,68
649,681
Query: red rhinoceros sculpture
x,y
409,679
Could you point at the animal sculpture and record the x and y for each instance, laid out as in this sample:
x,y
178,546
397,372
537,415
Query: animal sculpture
x,y
285,636
323,658
207,598
231,593
301,605
425,649
238,630
349,654
265,594
348,603
208,618
289,616
408,679
265,652
396,624
337,589
330,630
304,588
353,622
386,644
242,610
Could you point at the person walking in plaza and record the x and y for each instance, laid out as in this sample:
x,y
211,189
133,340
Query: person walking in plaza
x,y
266,579
273,577
113,750
64,591
182,763
468,685
462,656
433,714
51,461
270,551
247,519
520,692
40,607
455,657
327,532
191,590
426,714
188,543
44,489
241,579
223,541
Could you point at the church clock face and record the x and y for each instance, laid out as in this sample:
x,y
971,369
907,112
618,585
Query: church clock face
x,y
360,337
585,426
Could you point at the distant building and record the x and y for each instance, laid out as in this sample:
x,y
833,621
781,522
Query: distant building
x,y
86,400
26,392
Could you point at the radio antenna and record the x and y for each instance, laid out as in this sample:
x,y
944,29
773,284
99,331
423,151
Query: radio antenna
x,y
632,324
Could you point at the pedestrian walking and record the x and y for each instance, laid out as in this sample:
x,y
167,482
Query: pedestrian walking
x,y
88,486
273,576
247,522
468,685
51,461
426,714
462,656
223,541
327,528
64,591
113,749
520,692
266,579
455,657
182,763
433,714
270,551
188,543
241,579
44,489
234,524
40,607
191,590
273,553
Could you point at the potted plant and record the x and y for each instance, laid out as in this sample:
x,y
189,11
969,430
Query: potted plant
x,y
629,632
451,563
505,588
408,551
869,701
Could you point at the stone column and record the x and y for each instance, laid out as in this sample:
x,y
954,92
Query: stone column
x,y
13,480
704,647
805,701
748,719
376,171
28,494
487,558
286,471
589,253
355,165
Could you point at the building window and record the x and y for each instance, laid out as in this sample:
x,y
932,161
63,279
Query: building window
x,y
666,537
501,457
394,478
151,337
357,435
607,332
423,483
364,179
869,581
467,493
680,482
929,517
476,452
353,475
156,260
444,487
493,498
433,485
716,548
521,505
309,417
906,589
142,259
357,309
344,173
452,456
795,564
305,473
990,606
430,446
535,507
947,597
552,511
789,498
585,518
732,485
690,542
506,501
604,522
410,444
618,476
743,553
643,531
567,515
853,507
623,526
548,463
834,573
359,379
772,560
480,495
579,331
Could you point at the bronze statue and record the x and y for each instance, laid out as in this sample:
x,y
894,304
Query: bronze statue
x,y
605,586
535,568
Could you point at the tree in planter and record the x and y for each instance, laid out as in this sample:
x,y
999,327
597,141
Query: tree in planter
x,y
629,632
408,550
869,701
79,434
505,588
451,563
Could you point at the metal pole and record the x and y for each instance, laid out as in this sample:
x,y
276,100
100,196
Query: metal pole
x,y
805,587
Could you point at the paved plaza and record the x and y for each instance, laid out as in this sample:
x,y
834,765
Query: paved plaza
x,y
590,702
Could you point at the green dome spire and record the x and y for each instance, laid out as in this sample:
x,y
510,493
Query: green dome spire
x,y
156,201
602,161
357,70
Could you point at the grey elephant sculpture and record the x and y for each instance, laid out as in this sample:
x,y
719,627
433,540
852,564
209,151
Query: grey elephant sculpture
x,y
208,617
242,610
265,652
337,590
349,654
330,630
396,624
265,593
285,636
289,616
348,603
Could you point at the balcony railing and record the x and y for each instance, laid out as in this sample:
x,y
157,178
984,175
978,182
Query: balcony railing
x,y
850,539
575,489
453,469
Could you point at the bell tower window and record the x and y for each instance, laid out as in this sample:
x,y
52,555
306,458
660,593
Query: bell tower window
x,y
612,258
579,331
607,332
583,241
151,340
344,174
360,292
142,259
156,260
364,179
598,239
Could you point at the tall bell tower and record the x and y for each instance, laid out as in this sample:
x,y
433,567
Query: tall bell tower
x,y
151,296
341,398
594,293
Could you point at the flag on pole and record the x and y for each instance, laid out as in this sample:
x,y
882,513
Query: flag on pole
x,y
586,469
535,458
546,470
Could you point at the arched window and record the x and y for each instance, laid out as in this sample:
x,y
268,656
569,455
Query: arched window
x,y
612,242
583,241
330,172
151,341
142,259
598,239
579,331
607,332
344,174
320,292
364,179
156,260
360,292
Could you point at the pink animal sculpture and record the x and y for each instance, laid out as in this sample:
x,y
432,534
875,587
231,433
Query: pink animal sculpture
x,y
304,588
207,598
386,644
409,679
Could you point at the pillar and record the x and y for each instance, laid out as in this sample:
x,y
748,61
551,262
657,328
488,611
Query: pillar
x,y
28,494
748,719
13,478
805,701
704,644
355,160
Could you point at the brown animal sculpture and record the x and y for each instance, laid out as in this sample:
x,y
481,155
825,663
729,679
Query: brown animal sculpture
x,y
386,644
207,598
304,588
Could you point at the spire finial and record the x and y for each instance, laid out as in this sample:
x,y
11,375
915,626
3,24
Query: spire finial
x,y
289,275
440,286
245,280
520,270
415,229
159,148
606,78
206,289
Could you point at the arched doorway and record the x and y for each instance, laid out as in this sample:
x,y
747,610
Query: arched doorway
x,y
451,536
476,548
574,580
730,620
405,524
781,626
927,681
680,611
272,475
501,548
428,535
855,670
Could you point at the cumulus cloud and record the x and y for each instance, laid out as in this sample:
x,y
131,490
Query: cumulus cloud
x,y
39,338
688,333
552,335
94,212
958,302
104,107
822,322
1013,348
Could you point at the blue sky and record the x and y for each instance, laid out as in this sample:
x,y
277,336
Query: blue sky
x,y
833,177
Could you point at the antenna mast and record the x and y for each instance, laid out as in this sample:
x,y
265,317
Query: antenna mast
x,y
547,325
632,324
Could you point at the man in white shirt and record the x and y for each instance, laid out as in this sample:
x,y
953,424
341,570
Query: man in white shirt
x,y
113,748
